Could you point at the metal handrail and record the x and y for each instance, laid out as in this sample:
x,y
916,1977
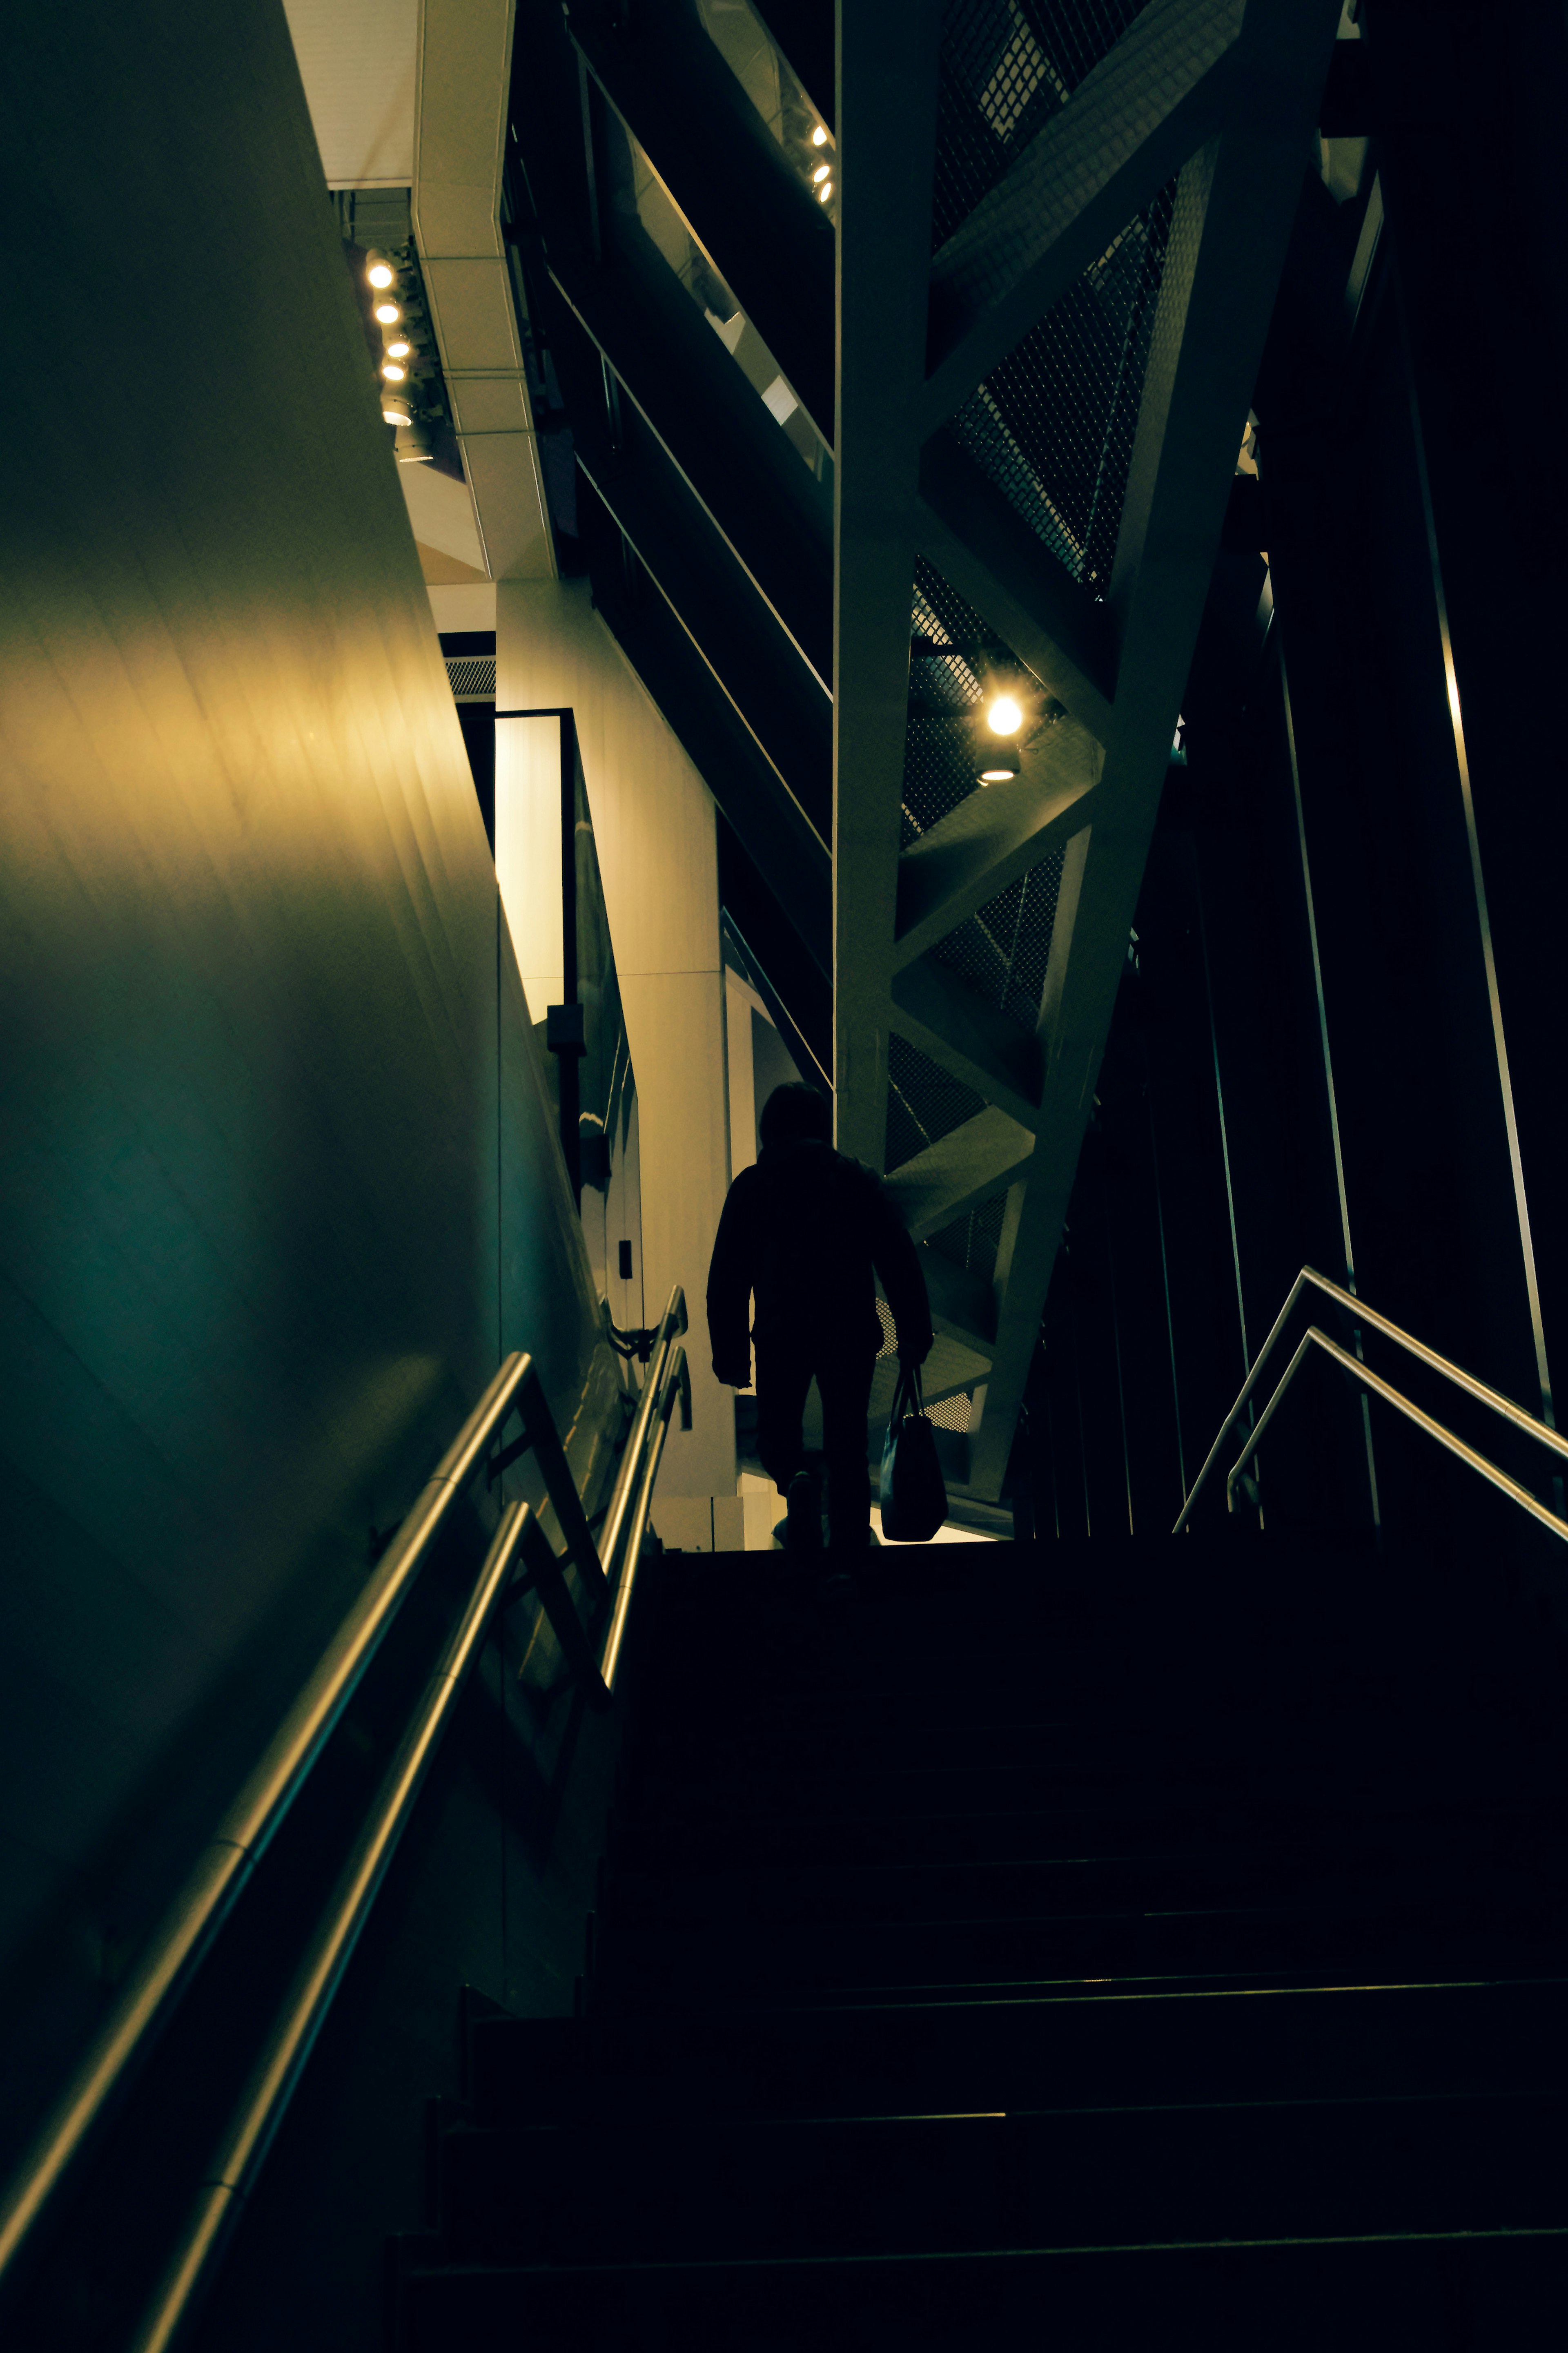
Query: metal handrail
x,y
180,1944
260,2110
676,1383
1369,1316
672,1323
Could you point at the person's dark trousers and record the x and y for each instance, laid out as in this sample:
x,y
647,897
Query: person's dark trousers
x,y
844,1383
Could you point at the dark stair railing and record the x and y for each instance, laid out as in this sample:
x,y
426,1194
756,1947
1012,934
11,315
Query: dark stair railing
x,y
177,1949
1373,1383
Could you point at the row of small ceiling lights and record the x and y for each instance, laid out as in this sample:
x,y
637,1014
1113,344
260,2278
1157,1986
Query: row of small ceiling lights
x,y
822,177
398,357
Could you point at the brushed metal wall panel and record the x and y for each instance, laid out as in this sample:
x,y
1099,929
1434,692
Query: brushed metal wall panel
x,y
275,1187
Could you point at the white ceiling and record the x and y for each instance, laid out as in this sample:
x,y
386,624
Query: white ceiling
x,y
357,62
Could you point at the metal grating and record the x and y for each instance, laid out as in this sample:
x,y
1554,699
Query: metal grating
x,y
973,1240
1006,65
924,1103
939,763
1001,951
472,677
939,771
951,1412
1053,426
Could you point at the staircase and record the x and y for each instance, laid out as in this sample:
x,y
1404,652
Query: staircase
x,y
1113,1946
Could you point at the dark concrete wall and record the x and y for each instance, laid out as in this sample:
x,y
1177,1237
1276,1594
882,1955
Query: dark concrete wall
x,y
280,1183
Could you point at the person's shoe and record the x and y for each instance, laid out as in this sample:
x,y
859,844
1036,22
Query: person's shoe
x,y
803,1519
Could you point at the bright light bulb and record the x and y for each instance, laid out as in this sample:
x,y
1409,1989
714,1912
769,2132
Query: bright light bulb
x,y
820,137
392,417
823,172
388,313
392,372
997,775
825,192
1005,716
381,273
398,350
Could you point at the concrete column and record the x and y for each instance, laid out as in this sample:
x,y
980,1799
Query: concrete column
x,y
654,832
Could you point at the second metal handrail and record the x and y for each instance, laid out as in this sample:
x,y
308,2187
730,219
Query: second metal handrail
x,y
1313,1338
176,1949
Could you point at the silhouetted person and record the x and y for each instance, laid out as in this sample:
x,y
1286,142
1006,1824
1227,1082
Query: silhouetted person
x,y
803,1231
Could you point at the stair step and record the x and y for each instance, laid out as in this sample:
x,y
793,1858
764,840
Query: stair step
x,y
1163,1880
1144,2049
679,1839
732,1968
1357,2297
673,2191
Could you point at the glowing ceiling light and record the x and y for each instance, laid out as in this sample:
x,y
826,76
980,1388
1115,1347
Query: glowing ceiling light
x,y
392,372
1004,718
820,137
388,313
395,409
825,192
381,272
823,172
1002,772
398,349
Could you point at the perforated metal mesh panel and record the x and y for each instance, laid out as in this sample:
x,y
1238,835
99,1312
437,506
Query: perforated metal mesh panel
x,y
941,767
1053,426
972,1241
1001,953
923,1102
472,677
952,1413
1007,67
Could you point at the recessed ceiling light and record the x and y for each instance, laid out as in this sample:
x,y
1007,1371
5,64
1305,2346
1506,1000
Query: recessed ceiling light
x,y
380,272
823,172
820,137
388,313
825,192
392,372
1001,772
1005,717
399,349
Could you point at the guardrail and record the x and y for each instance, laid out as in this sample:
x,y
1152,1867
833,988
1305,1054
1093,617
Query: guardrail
x,y
1377,1386
175,1951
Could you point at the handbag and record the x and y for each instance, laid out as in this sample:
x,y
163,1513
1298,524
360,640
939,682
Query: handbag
x,y
913,1498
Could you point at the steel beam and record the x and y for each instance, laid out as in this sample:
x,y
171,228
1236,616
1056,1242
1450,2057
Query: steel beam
x,y
994,835
983,546
887,130
1236,202
1219,96
957,1173
1130,127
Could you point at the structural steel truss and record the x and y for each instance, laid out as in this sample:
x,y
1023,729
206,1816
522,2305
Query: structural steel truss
x,y
1206,108
1109,192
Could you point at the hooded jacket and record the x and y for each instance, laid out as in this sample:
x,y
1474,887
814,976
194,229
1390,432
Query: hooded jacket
x,y
804,1231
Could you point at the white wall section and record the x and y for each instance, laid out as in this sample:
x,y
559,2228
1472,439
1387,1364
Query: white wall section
x,y
356,59
654,832
465,60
